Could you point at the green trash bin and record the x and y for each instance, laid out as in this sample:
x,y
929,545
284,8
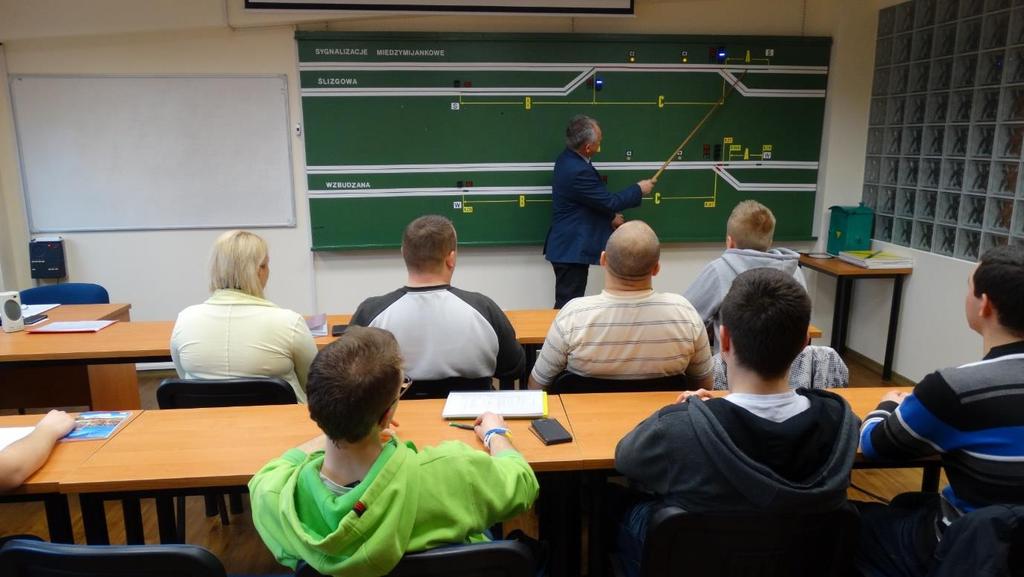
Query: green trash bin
x,y
849,228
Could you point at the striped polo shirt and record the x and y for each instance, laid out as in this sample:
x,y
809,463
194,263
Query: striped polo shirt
x,y
973,416
642,335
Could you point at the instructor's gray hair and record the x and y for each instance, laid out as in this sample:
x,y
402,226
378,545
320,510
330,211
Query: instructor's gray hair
x,y
582,130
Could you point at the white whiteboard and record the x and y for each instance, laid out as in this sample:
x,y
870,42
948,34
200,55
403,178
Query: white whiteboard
x,y
154,152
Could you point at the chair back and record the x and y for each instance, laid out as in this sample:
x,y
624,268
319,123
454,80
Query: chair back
x,y
749,545
816,367
440,388
494,559
20,558
69,293
240,392
568,383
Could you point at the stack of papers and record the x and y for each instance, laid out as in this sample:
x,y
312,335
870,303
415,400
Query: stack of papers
x,y
73,327
508,404
876,259
317,325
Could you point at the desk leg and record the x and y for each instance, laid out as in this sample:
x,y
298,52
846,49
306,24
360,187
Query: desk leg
x,y
558,514
597,549
894,319
930,478
58,518
165,519
94,518
134,534
841,313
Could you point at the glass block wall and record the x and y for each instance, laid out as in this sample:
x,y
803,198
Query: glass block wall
x,y
944,153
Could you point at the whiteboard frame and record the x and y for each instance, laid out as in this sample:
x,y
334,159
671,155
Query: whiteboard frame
x,y
289,222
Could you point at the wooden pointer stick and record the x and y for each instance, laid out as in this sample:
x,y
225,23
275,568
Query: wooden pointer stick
x,y
697,128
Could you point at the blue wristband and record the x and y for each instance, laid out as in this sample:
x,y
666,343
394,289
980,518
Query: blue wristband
x,y
496,431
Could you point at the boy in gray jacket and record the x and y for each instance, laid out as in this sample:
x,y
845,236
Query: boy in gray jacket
x,y
764,447
748,241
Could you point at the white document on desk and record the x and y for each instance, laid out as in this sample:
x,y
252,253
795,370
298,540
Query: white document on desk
x,y
29,310
11,435
508,404
73,327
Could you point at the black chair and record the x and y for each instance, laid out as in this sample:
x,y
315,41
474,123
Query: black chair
x,y
494,559
239,392
177,393
439,389
568,383
749,545
20,558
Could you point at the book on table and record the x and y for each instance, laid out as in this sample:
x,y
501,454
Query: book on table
x,y
876,259
508,404
97,425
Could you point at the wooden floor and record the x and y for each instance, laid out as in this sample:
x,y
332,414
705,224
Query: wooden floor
x,y
239,546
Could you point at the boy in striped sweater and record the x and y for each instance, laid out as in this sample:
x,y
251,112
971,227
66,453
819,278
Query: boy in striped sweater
x,y
972,416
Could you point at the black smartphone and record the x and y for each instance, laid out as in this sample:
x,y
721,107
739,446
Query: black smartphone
x,y
550,431
338,330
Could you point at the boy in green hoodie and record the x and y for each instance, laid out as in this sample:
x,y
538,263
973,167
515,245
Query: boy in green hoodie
x,y
356,505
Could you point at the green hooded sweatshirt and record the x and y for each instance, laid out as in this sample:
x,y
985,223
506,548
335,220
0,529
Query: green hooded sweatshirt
x,y
409,501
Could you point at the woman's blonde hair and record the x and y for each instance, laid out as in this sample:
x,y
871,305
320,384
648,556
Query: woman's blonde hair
x,y
235,262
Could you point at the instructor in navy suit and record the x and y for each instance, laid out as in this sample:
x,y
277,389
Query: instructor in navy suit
x,y
583,212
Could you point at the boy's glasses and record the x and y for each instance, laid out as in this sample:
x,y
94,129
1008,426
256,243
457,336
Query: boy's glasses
x,y
402,388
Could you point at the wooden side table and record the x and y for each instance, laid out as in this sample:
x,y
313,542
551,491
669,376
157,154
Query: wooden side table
x,y
845,274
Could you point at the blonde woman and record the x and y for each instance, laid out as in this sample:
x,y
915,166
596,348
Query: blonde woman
x,y
236,332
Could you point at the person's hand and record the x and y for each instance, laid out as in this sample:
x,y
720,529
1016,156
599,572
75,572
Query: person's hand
x,y
895,396
486,422
57,423
618,221
702,394
646,186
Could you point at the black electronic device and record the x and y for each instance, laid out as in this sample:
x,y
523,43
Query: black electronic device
x,y
338,330
46,257
35,319
550,431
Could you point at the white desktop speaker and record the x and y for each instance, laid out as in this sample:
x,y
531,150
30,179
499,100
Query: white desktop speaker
x,y
10,312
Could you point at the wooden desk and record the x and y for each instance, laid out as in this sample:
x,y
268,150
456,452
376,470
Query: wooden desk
x,y
845,274
599,420
56,365
44,484
39,370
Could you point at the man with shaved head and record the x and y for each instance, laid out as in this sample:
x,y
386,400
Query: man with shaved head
x,y
629,331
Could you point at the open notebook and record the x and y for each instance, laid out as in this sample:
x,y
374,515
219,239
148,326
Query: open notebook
x,y
508,404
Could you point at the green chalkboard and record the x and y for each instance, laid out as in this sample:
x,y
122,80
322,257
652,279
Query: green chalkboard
x,y
468,125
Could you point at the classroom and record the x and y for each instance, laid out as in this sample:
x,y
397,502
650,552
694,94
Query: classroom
x,y
162,270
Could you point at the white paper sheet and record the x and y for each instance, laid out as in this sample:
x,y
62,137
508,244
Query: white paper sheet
x,y
509,404
73,327
9,435
29,310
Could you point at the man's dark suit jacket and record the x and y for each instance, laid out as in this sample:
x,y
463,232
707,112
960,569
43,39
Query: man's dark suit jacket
x,y
582,211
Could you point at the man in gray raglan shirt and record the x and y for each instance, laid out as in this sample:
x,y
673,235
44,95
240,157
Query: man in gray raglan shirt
x,y
442,331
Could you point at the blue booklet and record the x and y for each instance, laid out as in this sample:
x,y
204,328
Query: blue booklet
x,y
97,425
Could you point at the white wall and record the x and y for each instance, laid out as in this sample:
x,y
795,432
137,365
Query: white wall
x,y
161,272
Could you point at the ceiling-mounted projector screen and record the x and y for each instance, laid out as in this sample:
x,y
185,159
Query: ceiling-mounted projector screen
x,y
621,7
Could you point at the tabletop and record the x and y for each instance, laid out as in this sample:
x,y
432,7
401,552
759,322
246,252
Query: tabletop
x,y
839,267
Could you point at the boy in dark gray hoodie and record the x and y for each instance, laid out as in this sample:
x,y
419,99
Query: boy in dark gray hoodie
x,y
748,240
764,447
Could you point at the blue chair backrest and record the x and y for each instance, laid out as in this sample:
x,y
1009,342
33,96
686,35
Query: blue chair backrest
x,y
70,293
